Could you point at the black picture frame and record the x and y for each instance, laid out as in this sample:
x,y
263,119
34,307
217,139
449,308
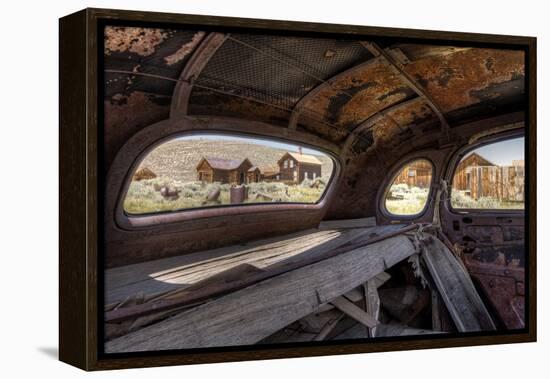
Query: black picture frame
x,y
81,188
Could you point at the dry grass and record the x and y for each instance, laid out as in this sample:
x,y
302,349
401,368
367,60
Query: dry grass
x,y
145,197
406,201
461,200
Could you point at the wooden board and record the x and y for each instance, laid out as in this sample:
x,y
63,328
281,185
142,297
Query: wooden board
x,y
366,222
164,275
455,287
354,312
253,313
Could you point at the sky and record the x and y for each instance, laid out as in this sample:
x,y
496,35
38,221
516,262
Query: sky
x,y
503,153
263,142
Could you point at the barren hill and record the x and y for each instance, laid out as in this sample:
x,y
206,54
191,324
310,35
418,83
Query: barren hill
x,y
177,159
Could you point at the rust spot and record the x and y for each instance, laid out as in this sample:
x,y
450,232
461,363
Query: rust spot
x,y
453,80
371,89
185,49
416,113
141,41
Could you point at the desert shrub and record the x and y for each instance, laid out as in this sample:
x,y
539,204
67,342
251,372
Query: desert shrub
x,y
144,196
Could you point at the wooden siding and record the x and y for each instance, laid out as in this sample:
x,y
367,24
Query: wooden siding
x,y
287,174
416,174
500,182
207,174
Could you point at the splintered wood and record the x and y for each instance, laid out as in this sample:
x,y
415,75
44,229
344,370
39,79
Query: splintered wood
x,y
310,286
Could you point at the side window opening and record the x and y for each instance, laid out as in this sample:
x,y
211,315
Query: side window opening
x,y
409,190
491,177
210,170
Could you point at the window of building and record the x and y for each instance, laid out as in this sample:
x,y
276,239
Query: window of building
x,y
291,163
491,177
208,170
409,190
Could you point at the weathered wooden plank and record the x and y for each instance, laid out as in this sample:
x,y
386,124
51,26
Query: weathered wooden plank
x,y
455,287
354,312
355,294
160,268
372,300
247,316
348,223
172,273
220,285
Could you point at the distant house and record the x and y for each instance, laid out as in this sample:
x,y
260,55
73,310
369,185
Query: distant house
x,y
417,174
295,167
271,174
478,177
233,171
253,175
463,175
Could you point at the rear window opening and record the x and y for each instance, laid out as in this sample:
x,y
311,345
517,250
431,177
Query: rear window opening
x,y
409,190
210,170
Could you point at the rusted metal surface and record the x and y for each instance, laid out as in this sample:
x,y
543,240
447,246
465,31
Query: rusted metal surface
x,y
469,76
141,41
127,114
503,285
398,68
373,88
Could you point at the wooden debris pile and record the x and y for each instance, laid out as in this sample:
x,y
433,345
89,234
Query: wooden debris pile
x,y
353,282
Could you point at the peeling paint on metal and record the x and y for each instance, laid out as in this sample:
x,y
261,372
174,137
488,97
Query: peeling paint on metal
x,y
185,49
453,80
371,89
141,41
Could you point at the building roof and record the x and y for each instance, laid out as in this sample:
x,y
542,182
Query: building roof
x,y
482,160
303,158
270,170
222,163
254,168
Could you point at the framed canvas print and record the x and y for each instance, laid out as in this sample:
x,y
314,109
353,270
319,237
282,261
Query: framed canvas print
x,y
236,189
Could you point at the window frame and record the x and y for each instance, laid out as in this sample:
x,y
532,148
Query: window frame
x,y
388,184
131,221
463,152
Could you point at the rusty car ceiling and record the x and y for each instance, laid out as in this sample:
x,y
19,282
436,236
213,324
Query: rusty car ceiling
x,y
381,93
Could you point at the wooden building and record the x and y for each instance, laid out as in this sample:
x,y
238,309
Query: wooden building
x,y
479,177
417,174
253,175
271,174
295,167
233,171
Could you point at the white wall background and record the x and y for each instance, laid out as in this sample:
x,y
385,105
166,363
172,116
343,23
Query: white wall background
x,y
28,186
